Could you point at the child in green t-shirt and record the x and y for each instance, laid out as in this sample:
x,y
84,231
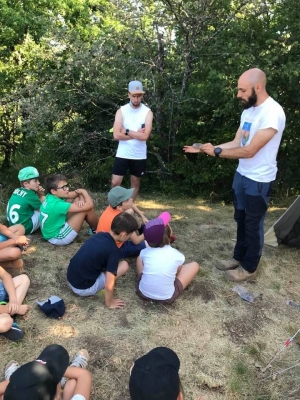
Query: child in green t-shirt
x,y
63,211
25,202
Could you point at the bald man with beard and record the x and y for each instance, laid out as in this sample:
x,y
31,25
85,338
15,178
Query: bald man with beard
x,y
256,145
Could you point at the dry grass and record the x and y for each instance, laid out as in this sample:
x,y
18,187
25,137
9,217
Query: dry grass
x,y
222,341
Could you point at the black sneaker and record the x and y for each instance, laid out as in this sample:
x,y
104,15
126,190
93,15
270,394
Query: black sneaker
x,y
15,333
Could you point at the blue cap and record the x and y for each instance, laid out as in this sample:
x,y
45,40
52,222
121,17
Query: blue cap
x,y
54,307
135,87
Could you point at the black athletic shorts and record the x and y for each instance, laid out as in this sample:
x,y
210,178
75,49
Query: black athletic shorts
x,y
136,167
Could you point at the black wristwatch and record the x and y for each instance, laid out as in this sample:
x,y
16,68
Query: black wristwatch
x,y
217,151
127,132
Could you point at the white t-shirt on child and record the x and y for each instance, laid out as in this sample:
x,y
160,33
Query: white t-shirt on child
x,y
78,397
159,272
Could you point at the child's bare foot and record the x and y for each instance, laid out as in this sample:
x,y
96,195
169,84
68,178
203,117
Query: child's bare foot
x,y
12,264
23,309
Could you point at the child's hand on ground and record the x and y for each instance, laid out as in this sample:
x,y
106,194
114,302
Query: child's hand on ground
x,y
22,240
145,220
117,303
23,309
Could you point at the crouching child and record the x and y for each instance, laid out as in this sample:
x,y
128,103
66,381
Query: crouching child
x,y
96,265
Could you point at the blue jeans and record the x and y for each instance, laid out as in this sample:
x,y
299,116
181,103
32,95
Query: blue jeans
x,y
3,293
250,199
128,249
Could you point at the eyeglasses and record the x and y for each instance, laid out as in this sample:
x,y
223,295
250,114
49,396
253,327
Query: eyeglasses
x,y
64,188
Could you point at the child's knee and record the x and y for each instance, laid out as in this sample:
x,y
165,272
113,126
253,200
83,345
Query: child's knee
x,y
19,228
24,279
196,266
13,254
6,322
123,267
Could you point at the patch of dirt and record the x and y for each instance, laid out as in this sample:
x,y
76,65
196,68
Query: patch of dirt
x,y
214,389
100,349
124,321
149,305
244,327
203,289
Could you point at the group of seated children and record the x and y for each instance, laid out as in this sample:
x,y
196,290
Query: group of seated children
x,y
161,272
162,276
60,214
153,376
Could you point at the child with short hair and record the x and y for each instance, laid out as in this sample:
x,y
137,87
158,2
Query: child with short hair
x,y
97,265
41,379
162,276
63,211
12,243
25,202
120,200
12,294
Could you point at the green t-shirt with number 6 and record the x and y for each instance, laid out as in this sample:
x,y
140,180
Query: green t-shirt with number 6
x,y
21,207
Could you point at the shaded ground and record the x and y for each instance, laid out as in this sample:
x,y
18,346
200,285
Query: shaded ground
x,y
222,341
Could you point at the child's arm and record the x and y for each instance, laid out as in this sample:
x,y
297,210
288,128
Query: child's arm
x,y
13,238
140,213
75,195
110,302
88,201
136,239
3,386
9,286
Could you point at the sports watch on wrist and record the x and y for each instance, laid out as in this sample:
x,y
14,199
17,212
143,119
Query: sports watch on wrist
x,y
126,132
217,151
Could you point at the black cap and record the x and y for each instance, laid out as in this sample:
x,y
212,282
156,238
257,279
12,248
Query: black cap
x,y
38,380
155,376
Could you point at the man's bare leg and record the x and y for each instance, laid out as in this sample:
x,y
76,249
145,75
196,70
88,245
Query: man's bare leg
x,y
135,183
116,180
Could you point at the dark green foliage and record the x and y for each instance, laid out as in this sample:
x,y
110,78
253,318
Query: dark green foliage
x,y
66,66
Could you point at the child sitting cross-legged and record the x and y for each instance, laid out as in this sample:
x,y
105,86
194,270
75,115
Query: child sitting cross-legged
x,y
12,243
162,276
43,378
24,204
63,211
97,265
12,294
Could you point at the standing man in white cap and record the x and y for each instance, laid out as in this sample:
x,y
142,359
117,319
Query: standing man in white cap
x,y
132,128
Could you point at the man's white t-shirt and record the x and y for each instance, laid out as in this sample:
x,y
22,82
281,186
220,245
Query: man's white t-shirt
x,y
133,119
262,167
159,272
